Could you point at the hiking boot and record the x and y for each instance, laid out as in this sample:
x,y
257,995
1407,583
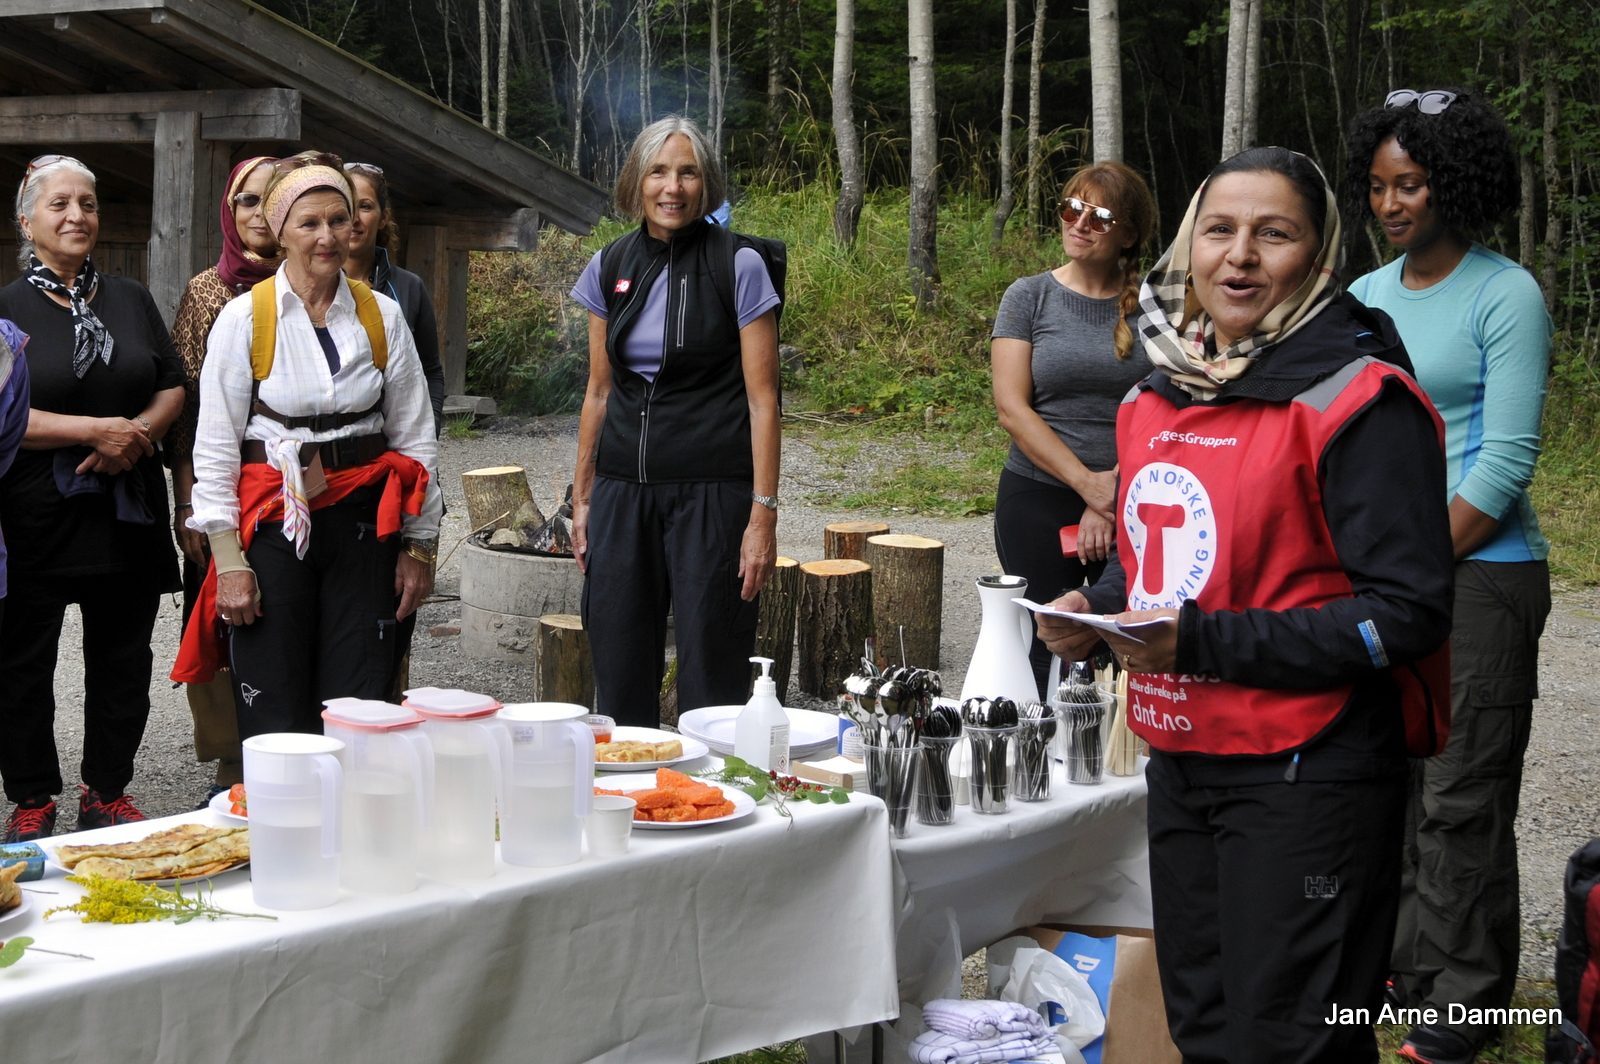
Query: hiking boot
x,y
95,812
31,821
1432,1044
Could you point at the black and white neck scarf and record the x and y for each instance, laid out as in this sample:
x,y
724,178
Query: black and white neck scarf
x,y
90,337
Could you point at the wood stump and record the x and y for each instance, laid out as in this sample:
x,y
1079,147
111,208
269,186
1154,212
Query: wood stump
x,y
848,539
908,595
495,494
566,671
835,620
775,629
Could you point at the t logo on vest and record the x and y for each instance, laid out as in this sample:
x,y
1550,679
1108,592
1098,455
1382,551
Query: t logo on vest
x,y
1173,532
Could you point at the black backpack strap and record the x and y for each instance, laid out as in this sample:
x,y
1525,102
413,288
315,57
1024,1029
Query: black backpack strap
x,y
724,245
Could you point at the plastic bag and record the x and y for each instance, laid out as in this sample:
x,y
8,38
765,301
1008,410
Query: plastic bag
x,y
1022,972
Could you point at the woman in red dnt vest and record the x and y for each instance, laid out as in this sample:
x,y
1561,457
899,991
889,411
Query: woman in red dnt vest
x,y
1279,515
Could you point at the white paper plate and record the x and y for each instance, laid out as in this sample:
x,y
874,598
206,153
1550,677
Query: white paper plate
x,y
123,833
12,914
222,805
809,731
692,748
743,804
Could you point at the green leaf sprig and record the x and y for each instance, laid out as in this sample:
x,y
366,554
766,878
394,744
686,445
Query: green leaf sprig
x,y
11,952
125,901
759,783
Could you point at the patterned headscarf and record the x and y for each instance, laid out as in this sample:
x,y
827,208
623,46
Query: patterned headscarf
x,y
239,267
90,337
1179,336
296,184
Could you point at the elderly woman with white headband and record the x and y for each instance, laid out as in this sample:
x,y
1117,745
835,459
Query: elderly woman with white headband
x,y
316,473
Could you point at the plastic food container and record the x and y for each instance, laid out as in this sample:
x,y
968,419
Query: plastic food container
x,y
24,853
601,725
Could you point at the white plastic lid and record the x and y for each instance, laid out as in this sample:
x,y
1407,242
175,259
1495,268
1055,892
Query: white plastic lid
x,y
369,714
448,703
293,743
542,712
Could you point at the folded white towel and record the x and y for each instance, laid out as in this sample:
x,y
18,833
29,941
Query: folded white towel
x,y
983,1019
936,1047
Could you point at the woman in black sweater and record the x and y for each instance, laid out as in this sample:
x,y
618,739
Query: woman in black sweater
x,y
85,504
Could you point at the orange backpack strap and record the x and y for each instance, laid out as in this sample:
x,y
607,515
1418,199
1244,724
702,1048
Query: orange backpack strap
x,y
263,327
371,317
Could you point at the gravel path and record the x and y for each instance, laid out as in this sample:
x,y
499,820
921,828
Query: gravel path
x,y
1560,795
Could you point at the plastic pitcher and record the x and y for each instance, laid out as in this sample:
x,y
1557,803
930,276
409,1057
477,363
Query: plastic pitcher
x,y
294,781
550,783
388,792
1000,665
471,754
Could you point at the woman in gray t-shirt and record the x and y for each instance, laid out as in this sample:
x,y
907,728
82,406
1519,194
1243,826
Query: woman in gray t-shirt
x,y
1063,357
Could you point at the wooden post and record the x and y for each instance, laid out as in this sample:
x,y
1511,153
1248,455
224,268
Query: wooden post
x,y
775,630
177,221
835,619
848,539
453,317
908,595
493,491
428,257
565,671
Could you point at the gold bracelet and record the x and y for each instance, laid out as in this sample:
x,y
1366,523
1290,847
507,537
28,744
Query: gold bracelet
x,y
425,551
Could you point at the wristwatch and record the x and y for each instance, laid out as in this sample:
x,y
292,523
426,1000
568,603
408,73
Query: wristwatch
x,y
425,551
769,501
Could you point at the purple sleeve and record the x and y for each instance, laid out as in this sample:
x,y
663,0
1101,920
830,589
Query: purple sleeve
x,y
753,291
587,290
15,398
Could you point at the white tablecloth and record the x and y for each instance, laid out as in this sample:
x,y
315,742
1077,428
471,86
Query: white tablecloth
x,y
1080,857
694,945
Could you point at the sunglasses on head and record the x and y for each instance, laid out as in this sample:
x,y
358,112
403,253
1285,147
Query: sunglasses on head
x,y
365,168
295,162
1100,218
1432,102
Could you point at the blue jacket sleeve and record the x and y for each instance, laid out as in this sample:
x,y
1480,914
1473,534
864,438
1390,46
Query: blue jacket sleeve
x,y
1513,331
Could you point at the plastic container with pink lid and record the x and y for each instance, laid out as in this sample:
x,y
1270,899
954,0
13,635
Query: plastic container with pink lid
x,y
388,792
471,758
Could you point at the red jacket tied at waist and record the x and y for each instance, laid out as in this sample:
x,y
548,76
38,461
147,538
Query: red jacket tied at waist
x,y
405,485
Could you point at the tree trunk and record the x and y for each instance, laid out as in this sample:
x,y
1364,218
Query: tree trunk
x,y
1233,92
484,101
907,598
1252,78
847,211
1552,183
1527,216
848,539
493,493
565,670
505,47
646,64
775,630
1105,72
923,254
714,94
835,621
1008,194
1035,66
777,61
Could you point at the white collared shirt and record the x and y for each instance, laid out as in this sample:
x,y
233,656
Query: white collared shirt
x,y
301,385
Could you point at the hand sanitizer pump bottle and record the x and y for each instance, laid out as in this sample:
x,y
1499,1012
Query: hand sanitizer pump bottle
x,y
761,734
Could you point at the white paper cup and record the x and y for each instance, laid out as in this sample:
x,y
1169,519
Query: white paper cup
x,y
609,825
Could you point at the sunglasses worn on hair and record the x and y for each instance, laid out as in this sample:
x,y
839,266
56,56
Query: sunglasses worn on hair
x,y
295,162
1433,102
365,168
1100,218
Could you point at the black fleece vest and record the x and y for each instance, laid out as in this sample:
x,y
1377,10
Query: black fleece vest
x,y
692,423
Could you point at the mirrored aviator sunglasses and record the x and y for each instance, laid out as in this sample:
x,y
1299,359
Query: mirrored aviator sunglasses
x,y
1432,102
1100,218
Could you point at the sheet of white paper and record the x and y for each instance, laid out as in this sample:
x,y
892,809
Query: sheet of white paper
x,y
1096,621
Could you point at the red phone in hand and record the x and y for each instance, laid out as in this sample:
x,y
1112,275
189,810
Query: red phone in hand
x,y
1069,541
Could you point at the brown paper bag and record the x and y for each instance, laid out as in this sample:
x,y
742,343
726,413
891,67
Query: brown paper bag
x,y
1136,1015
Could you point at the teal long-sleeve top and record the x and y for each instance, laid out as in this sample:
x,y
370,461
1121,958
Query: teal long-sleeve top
x,y
1480,342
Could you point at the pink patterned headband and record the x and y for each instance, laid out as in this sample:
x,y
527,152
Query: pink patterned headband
x,y
297,184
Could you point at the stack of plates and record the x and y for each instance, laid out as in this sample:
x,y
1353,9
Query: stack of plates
x,y
810,733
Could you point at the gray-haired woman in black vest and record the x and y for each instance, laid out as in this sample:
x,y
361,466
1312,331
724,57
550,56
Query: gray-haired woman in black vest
x,y
674,502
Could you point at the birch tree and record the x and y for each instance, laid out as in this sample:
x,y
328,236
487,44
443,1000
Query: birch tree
x,y
923,257
777,61
847,211
714,92
646,62
505,51
1008,195
1105,76
1252,78
1035,65
1242,90
484,100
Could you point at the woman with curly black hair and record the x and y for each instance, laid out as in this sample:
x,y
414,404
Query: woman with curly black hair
x,y
1435,168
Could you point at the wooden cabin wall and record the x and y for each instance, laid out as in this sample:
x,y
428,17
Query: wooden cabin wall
x,y
118,259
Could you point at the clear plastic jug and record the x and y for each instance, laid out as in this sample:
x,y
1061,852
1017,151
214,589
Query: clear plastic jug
x,y
471,757
388,792
294,781
550,784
